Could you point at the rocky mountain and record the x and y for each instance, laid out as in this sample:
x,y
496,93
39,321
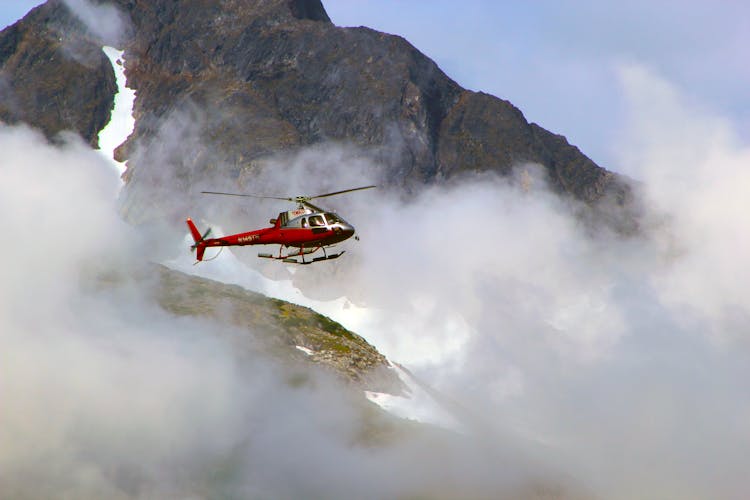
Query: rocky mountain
x,y
262,77
226,88
292,334
54,76
253,79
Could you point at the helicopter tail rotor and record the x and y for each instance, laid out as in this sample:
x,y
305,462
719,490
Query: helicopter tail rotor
x,y
198,238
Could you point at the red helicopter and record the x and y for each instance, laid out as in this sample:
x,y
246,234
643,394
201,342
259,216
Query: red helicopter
x,y
308,229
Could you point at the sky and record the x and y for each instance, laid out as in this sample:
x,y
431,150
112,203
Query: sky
x,y
619,363
10,12
561,62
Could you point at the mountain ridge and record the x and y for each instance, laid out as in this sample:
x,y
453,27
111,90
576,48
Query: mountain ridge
x,y
291,333
277,76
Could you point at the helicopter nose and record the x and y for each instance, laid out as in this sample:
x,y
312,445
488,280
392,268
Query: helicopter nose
x,y
347,230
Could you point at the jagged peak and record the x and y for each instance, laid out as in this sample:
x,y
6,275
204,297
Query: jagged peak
x,y
312,10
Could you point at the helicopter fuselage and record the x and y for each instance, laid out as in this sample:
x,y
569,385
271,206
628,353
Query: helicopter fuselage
x,y
308,228
305,229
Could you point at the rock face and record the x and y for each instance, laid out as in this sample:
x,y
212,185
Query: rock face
x,y
259,77
54,76
279,327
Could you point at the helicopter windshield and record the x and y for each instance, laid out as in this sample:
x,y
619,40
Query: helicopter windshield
x,y
332,219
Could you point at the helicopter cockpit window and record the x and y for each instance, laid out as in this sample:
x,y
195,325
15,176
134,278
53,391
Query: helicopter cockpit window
x,y
316,220
303,223
332,219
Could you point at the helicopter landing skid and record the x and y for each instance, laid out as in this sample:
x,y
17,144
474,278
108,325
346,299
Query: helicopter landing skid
x,y
291,258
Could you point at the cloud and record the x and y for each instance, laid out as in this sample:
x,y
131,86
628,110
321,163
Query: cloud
x,y
101,393
104,20
620,361
695,170
625,357
107,395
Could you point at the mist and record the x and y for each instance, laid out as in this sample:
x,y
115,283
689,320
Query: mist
x,y
105,21
590,362
106,395
619,362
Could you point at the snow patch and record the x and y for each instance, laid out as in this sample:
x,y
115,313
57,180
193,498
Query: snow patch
x,y
304,349
419,405
121,122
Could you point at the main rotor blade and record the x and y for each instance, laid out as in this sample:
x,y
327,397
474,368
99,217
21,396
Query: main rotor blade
x,y
249,195
296,199
339,192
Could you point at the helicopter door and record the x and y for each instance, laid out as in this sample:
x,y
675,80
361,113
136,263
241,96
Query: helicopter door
x,y
317,223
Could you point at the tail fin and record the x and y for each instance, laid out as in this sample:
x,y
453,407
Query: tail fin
x,y
198,239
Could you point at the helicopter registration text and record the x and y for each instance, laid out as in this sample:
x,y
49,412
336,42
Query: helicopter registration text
x,y
248,239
